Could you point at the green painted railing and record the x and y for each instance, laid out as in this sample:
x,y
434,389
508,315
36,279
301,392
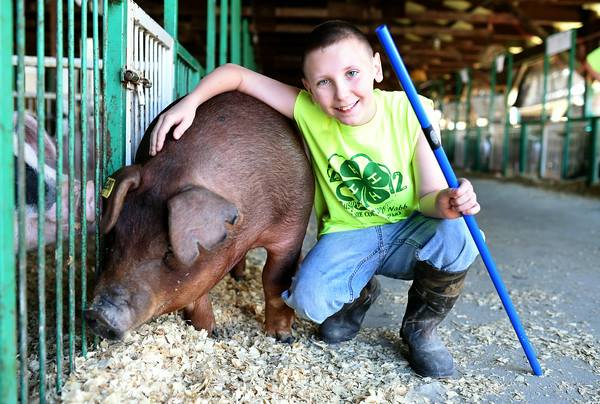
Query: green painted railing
x,y
187,72
515,148
8,341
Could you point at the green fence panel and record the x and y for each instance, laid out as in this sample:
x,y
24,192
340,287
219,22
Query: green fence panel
x,y
58,255
506,139
567,141
22,257
236,44
223,26
211,35
8,342
84,163
114,93
41,251
523,149
171,15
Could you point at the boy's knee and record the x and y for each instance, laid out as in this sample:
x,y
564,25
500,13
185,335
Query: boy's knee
x,y
451,248
309,304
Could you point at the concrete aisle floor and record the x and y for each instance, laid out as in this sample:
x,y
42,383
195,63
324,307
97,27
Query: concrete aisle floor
x,y
547,247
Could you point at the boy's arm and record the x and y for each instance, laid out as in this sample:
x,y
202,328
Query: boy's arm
x,y
228,77
435,198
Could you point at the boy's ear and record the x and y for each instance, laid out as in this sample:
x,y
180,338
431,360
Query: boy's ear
x,y
306,86
377,69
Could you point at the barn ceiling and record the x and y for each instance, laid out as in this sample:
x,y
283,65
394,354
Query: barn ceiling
x,y
435,37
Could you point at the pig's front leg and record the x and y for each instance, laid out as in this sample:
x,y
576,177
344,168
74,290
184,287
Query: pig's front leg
x,y
200,314
276,277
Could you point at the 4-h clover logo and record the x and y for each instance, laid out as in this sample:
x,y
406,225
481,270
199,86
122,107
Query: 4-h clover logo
x,y
362,179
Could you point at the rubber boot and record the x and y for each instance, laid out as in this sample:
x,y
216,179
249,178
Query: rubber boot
x,y
430,299
345,324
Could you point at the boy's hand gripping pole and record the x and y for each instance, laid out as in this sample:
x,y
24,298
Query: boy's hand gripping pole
x,y
434,141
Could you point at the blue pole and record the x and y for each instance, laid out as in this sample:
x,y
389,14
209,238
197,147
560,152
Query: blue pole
x,y
434,141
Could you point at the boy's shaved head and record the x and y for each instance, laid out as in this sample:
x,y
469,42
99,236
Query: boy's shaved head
x,y
330,32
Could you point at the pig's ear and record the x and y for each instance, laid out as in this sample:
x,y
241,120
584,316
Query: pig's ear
x,y
125,178
198,218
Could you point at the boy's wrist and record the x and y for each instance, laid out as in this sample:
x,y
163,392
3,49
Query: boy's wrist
x,y
428,204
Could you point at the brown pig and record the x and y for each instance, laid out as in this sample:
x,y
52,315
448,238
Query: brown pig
x,y
177,223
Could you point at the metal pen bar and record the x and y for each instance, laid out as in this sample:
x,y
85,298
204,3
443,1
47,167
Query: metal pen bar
x,y
59,135
71,176
434,141
41,186
22,254
84,161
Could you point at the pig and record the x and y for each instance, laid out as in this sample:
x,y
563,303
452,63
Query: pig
x,y
177,223
31,187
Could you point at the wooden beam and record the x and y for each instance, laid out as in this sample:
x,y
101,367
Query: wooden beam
x,y
537,11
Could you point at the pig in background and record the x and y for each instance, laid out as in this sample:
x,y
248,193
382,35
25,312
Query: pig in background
x,y
31,154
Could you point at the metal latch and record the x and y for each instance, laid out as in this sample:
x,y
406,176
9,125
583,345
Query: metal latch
x,y
138,82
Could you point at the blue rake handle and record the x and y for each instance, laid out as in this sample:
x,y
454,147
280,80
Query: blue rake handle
x,y
434,141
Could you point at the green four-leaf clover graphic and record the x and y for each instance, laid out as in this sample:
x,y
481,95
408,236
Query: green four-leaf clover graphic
x,y
362,179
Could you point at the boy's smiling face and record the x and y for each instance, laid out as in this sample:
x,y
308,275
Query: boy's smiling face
x,y
340,78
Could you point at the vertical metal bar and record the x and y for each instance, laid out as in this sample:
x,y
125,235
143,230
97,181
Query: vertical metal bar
x,y
506,140
210,35
236,12
8,354
154,70
587,97
147,72
491,110
58,254
22,254
156,79
523,149
245,44
97,136
594,153
441,94
456,114
224,13
114,92
41,186
171,13
84,162
135,121
71,171
567,140
544,118
477,148
468,118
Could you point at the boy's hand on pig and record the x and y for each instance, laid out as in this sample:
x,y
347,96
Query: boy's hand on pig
x,y
179,117
454,202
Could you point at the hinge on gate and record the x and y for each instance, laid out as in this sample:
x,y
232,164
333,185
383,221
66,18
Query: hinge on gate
x,y
136,81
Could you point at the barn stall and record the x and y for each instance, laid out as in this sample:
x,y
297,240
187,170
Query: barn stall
x,y
95,110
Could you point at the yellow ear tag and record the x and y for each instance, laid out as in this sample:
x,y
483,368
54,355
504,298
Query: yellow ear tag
x,y
108,187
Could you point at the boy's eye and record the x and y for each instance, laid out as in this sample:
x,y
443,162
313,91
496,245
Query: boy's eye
x,y
322,83
352,73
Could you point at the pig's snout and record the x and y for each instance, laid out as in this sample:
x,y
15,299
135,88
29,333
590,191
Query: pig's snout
x,y
108,317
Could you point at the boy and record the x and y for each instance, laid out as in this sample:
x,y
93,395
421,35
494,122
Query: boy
x,y
382,204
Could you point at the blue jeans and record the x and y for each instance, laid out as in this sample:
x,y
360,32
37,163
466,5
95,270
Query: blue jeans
x,y
340,265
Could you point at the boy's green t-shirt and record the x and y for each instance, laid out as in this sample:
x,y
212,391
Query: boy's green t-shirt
x,y
363,174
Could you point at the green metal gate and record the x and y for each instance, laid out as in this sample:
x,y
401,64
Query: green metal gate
x,y
40,337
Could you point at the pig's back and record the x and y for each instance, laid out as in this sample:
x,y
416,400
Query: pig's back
x,y
240,148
